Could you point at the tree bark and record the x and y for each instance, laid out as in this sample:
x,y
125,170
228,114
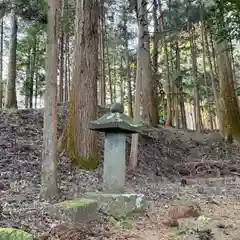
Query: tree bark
x,y
11,97
134,145
114,83
32,72
109,77
49,188
67,66
36,88
102,87
148,96
208,93
155,54
167,72
61,60
1,63
229,104
27,79
79,142
130,101
214,85
196,86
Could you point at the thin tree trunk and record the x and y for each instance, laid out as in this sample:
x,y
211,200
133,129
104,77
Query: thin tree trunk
x,y
130,101
1,63
213,55
122,84
115,80
67,66
204,66
148,96
180,95
11,96
167,72
169,88
109,76
134,145
214,86
102,87
27,80
178,84
61,60
36,88
196,87
232,61
49,188
32,72
155,53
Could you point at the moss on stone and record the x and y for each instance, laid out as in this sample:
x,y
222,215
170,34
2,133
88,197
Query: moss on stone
x,y
14,234
76,203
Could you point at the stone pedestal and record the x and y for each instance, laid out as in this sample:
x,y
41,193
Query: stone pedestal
x,y
75,211
119,205
114,163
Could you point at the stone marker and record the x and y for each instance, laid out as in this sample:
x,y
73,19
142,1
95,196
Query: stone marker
x,y
75,211
115,125
113,201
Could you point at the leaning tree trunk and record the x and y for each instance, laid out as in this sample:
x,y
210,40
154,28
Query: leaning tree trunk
x,y
49,188
79,141
229,104
11,97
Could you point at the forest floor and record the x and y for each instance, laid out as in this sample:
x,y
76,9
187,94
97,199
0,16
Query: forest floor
x,y
210,167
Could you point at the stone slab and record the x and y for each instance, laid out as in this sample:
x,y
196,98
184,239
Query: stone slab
x,y
13,234
75,211
119,205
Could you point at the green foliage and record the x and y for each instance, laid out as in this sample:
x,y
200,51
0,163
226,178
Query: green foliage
x,y
32,10
223,19
24,55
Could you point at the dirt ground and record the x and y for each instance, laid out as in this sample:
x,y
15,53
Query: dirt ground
x,y
210,166
219,218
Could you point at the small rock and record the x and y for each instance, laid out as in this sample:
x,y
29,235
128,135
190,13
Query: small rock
x,y
44,236
3,187
3,142
211,200
179,212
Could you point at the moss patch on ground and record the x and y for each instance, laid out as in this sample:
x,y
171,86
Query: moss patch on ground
x,y
14,234
76,203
